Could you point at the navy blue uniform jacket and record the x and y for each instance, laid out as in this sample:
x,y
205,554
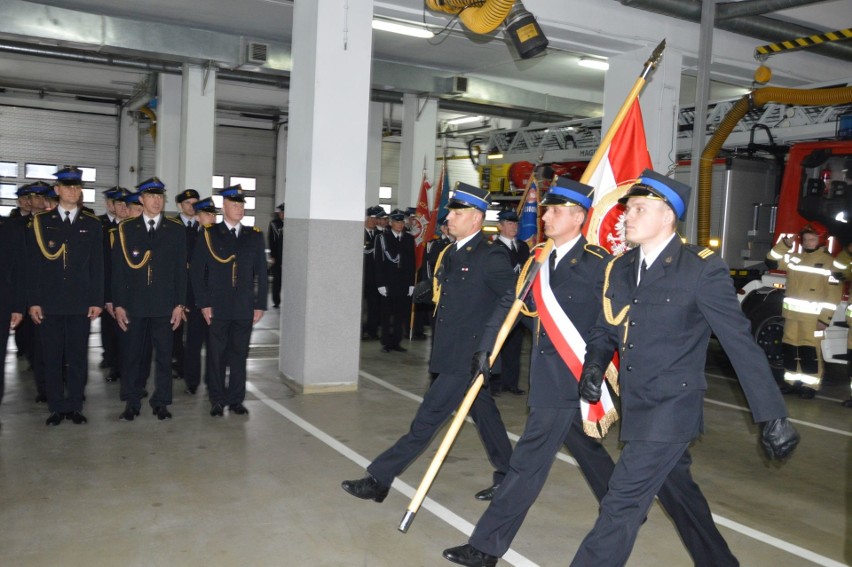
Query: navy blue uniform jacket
x,y
473,281
74,281
157,287
662,341
229,274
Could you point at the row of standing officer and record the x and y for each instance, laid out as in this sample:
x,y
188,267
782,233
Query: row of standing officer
x,y
144,289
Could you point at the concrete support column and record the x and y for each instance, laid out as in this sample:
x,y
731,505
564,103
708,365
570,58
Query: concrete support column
x,y
374,153
128,151
659,99
198,129
322,263
419,133
169,102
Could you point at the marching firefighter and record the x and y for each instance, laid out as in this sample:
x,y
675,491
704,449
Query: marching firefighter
x,y
813,291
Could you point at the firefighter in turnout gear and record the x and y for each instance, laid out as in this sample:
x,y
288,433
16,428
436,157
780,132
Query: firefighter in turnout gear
x,y
813,291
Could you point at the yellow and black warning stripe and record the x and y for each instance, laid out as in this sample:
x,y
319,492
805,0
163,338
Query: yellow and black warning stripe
x,y
803,42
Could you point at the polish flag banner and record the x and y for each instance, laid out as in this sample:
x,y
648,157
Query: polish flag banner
x,y
420,223
625,159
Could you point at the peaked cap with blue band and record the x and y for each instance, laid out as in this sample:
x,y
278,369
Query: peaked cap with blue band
x,y
466,196
36,188
654,185
397,215
69,175
186,194
152,185
132,198
205,205
567,192
509,215
233,193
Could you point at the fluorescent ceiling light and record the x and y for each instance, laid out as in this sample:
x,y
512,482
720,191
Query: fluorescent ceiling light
x,y
464,119
599,64
403,29
495,156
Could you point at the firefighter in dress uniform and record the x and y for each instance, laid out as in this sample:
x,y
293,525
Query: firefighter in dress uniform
x,y
275,237
109,328
510,355
12,286
813,292
185,200
661,301
230,282
471,279
370,292
149,294
394,268
196,327
571,303
65,290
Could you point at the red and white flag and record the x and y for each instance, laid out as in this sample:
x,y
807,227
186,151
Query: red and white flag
x,y
625,159
420,222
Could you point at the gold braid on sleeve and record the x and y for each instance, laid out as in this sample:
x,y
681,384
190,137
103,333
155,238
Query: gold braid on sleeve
x,y
212,253
607,303
522,277
45,253
436,283
145,259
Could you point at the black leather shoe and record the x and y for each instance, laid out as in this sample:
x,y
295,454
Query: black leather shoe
x,y
77,417
807,393
516,391
190,390
468,555
162,413
487,494
367,488
41,399
217,410
386,349
238,409
419,337
847,403
398,348
128,414
54,419
113,376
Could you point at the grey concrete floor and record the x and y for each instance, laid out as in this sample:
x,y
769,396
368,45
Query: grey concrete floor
x,y
265,489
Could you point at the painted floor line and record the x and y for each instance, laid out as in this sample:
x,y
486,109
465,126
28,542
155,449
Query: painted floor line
x,y
440,511
720,520
792,420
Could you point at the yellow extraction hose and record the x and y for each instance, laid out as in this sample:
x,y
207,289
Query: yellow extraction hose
x,y
754,99
477,16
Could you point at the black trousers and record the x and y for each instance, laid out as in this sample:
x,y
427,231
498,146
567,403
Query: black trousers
x,y
510,359
227,346
439,402
64,341
196,337
158,331
276,282
396,314
5,316
109,339
373,307
642,470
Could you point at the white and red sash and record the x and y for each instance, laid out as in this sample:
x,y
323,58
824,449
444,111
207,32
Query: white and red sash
x,y
571,347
